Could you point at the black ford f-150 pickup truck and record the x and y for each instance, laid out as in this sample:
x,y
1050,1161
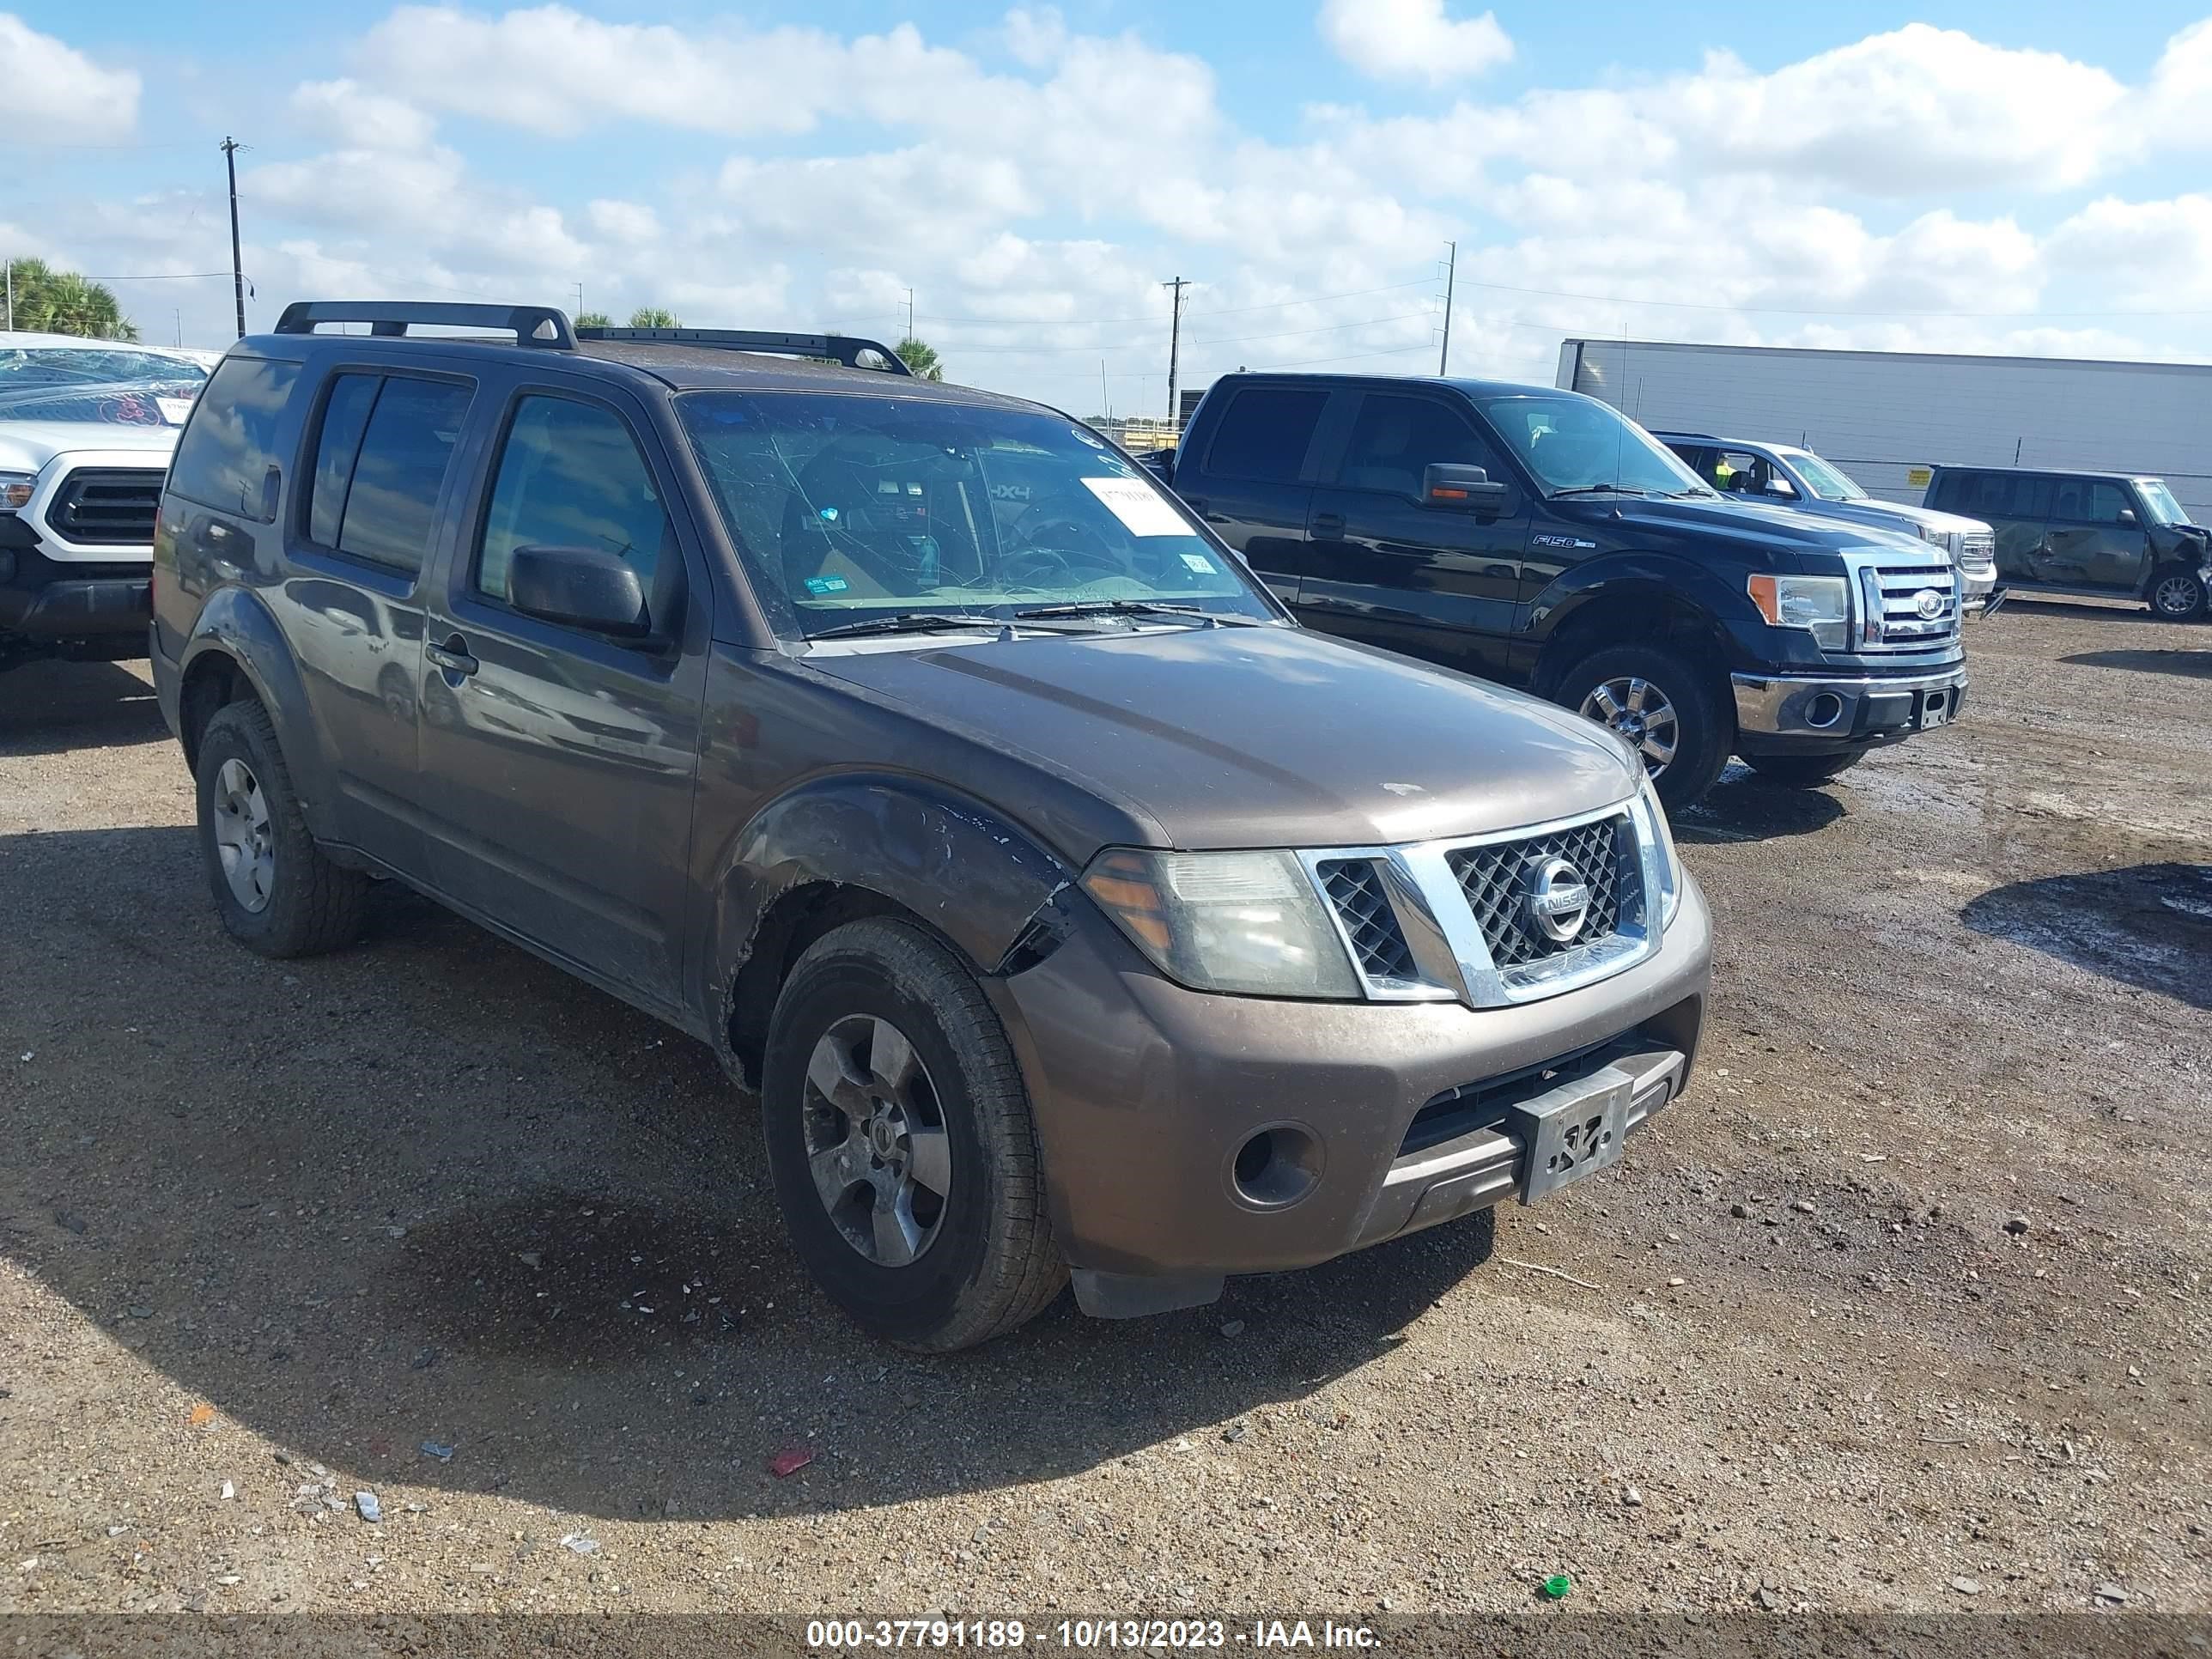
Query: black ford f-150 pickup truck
x,y
1539,537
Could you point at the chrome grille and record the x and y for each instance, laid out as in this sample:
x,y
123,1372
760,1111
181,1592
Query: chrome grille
x,y
106,507
1496,876
1371,925
1890,618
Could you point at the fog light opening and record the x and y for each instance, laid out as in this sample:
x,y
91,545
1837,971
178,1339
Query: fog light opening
x,y
1277,1166
1824,711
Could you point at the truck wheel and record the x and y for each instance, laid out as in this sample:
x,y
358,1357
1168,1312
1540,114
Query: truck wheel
x,y
1666,708
900,1142
1803,771
2177,594
274,890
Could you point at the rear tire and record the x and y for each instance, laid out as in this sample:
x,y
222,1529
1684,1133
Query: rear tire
x,y
1802,771
2177,594
1684,735
277,893
900,1143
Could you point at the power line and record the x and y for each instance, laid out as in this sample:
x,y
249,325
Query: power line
x,y
1217,311
1817,311
1210,339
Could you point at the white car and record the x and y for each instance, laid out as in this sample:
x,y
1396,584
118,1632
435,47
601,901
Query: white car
x,y
85,431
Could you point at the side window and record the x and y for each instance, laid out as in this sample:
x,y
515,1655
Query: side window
x,y
345,416
1264,434
2106,503
1952,493
391,508
229,451
1738,473
1395,438
570,476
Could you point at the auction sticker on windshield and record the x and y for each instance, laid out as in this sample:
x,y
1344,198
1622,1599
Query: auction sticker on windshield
x,y
1139,506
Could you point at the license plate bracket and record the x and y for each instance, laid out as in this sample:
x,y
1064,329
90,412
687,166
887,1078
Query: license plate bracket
x,y
1933,708
1571,1130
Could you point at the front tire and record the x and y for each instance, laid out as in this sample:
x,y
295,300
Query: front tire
x,y
1803,771
277,893
900,1141
1665,707
2177,594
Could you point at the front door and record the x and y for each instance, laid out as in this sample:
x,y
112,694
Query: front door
x,y
2095,537
1438,582
558,763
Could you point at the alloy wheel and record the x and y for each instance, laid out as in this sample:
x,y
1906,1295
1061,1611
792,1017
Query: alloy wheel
x,y
2177,596
876,1140
1641,713
243,839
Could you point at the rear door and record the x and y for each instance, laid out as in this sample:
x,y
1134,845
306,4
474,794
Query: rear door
x,y
379,466
559,762
2016,505
1384,567
2095,537
1254,484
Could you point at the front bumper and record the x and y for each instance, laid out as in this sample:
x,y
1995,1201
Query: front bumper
x,y
44,603
1976,583
1146,1094
1810,712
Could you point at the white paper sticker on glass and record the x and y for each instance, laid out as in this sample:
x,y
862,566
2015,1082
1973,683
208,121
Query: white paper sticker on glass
x,y
1138,506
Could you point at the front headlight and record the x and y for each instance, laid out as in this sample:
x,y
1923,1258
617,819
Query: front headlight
x,y
1661,834
1248,922
1819,605
15,489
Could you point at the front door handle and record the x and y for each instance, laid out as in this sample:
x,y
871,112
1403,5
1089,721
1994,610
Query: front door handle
x,y
453,656
1328,524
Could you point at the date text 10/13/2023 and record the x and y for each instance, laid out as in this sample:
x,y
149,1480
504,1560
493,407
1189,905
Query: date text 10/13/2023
x,y
1085,1634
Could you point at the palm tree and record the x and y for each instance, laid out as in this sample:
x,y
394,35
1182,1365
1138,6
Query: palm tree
x,y
654,317
594,320
53,301
922,360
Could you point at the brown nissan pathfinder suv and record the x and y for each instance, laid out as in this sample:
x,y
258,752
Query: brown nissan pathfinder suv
x,y
1072,910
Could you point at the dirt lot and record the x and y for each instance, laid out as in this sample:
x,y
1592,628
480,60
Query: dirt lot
x,y
1904,1308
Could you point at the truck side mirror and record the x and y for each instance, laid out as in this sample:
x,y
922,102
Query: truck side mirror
x,y
1453,484
2127,515
580,586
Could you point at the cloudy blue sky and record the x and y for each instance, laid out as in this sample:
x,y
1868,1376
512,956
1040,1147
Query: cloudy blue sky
x,y
2001,177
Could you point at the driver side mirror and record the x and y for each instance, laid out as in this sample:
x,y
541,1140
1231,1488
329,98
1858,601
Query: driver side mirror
x,y
577,587
1781,487
1469,488
2127,515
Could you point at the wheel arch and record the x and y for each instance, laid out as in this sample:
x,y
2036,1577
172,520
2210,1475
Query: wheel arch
x,y
1638,608
236,649
839,848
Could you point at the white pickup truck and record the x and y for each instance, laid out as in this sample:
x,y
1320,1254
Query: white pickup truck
x,y
86,430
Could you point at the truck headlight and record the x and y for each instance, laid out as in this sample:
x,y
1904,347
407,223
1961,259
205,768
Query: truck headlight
x,y
1657,832
15,489
1247,922
1819,605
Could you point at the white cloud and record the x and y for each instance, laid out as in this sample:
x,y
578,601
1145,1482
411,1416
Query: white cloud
x,y
2149,252
1412,39
57,94
350,114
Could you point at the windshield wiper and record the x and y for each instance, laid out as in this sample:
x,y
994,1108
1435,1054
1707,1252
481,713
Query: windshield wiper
x,y
911,622
1600,490
1127,608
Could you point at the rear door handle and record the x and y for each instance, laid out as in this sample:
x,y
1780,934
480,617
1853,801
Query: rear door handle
x,y
453,656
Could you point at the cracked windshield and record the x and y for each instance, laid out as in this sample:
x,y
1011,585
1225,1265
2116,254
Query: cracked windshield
x,y
886,515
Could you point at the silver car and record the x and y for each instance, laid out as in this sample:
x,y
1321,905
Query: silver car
x,y
1799,479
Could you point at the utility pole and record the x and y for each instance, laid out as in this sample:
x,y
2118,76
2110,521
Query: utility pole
x,y
1451,275
909,313
11,293
1105,397
579,298
237,264
1174,347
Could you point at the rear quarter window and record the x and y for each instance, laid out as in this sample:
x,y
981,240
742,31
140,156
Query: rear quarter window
x,y
229,447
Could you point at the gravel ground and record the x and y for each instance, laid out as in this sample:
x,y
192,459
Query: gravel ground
x,y
1903,1308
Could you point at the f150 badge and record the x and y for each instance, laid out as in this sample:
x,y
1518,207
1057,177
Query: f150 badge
x,y
1559,541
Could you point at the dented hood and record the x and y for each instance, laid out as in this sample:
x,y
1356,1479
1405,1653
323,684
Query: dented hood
x,y
1256,736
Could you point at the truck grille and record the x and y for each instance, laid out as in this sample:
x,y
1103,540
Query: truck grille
x,y
1354,886
1891,617
1496,880
107,507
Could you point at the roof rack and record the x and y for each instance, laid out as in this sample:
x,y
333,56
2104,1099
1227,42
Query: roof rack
x,y
531,326
838,348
